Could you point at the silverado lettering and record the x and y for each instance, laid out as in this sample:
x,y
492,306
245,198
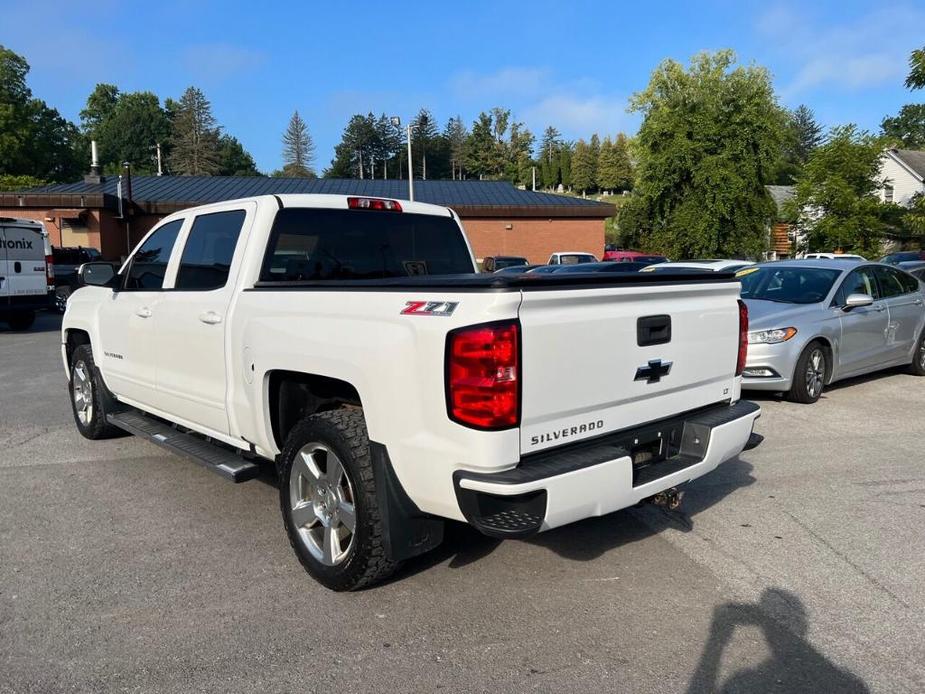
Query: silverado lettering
x,y
566,433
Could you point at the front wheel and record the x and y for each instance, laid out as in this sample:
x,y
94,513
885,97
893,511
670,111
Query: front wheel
x,y
327,495
90,401
917,367
809,375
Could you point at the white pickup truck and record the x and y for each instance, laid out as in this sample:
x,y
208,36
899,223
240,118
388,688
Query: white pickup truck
x,y
350,341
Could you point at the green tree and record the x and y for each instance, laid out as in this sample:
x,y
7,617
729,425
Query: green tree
x,y
520,163
13,183
35,140
566,150
455,135
836,203
709,142
298,148
916,78
360,147
131,132
550,147
480,157
583,167
907,128
100,105
195,136
594,146
233,159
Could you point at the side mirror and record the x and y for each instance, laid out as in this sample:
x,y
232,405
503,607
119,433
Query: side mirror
x,y
96,275
858,300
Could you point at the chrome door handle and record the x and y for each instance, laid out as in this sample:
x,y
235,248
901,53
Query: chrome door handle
x,y
880,309
917,302
210,318
143,312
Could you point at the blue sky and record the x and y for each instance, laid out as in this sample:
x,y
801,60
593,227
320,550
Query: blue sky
x,y
572,65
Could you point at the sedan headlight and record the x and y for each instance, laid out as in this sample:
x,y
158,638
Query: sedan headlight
x,y
771,337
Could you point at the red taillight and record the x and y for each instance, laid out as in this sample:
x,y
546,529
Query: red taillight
x,y
743,337
373,204
50,270
483,375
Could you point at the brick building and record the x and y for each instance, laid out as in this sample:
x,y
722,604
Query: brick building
x,y
499,218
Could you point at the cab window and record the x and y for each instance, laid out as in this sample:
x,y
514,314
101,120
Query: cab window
x,y
149,264
209,250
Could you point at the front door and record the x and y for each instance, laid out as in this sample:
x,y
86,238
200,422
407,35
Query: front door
x,y
864,329
126,350
192,317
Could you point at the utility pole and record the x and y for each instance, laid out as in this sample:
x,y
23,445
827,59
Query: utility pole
x,y
410,169
160,171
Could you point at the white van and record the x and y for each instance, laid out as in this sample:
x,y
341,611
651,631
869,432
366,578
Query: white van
x,y
26,271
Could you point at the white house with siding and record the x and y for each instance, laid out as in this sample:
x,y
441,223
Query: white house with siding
x,y
904,174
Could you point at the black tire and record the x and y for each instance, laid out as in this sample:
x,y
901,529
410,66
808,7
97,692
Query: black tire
x,y
807,388
364,561
21,320
62,294
85,377
917,367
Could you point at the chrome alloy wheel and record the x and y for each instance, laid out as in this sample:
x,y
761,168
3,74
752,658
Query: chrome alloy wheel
x,y
323,503
815,373
82,392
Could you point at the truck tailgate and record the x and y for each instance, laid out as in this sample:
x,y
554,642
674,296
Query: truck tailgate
x,y
587,369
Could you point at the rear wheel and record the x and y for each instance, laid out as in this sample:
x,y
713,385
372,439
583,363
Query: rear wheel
x,y
90,401
918,357
809,375
21,321
327,495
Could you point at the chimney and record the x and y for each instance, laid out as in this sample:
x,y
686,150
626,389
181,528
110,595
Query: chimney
x,y
94,175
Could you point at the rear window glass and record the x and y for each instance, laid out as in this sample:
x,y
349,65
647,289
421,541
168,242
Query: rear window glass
x,y
209,250
314,244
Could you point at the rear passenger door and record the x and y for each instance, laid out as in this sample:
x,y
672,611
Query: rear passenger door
x,y
904,302
190,326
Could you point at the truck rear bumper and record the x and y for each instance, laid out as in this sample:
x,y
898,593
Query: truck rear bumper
x,y
592,478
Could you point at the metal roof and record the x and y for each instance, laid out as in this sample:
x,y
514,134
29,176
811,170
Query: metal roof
x,y
166,191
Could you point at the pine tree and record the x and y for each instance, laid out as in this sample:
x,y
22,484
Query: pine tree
x,y
624,163
455,135
423,141
583,167
298,149
808,133
550,171
195,148
594,148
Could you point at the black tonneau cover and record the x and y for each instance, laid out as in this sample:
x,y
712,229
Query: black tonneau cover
x,y
486,282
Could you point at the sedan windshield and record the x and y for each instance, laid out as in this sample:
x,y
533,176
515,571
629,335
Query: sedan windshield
x,y
788,285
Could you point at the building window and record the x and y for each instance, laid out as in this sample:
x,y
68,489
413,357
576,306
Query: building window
x,y
888,193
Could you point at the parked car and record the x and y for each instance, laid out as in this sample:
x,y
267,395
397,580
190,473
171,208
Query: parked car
x,y
814,322
615,253
516,269
349,343
650,259
622,267
833,256
498,262
67,260
710,265
571,258
26,271
903,257
915,269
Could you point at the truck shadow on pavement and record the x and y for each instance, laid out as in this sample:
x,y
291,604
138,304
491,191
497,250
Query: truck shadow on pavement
x,y
589,539
792,663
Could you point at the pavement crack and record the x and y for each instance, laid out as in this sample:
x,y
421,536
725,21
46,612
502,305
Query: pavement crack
x,y
844,557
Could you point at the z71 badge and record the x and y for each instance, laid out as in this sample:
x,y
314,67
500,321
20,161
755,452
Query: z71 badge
x,y
429,308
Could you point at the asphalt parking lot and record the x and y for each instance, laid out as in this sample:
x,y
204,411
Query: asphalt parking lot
x,y
799,566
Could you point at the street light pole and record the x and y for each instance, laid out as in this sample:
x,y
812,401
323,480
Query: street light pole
x,y
410,169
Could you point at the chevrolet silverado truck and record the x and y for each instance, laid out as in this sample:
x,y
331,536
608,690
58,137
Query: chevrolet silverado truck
x,y
350,342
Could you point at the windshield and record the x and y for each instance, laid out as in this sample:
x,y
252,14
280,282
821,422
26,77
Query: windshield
x,y
788,285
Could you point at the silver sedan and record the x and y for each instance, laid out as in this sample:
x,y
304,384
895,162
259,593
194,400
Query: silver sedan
x,y
813,322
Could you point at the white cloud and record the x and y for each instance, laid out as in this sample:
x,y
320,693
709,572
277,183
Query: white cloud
x,y
869,51
577,107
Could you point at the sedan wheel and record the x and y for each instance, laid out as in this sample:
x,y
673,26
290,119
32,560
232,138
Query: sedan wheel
x,y
815,373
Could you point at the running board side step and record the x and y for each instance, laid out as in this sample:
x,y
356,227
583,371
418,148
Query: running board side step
x,y
212,457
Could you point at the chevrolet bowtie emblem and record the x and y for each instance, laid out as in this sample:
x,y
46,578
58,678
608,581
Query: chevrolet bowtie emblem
x,y
653,371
